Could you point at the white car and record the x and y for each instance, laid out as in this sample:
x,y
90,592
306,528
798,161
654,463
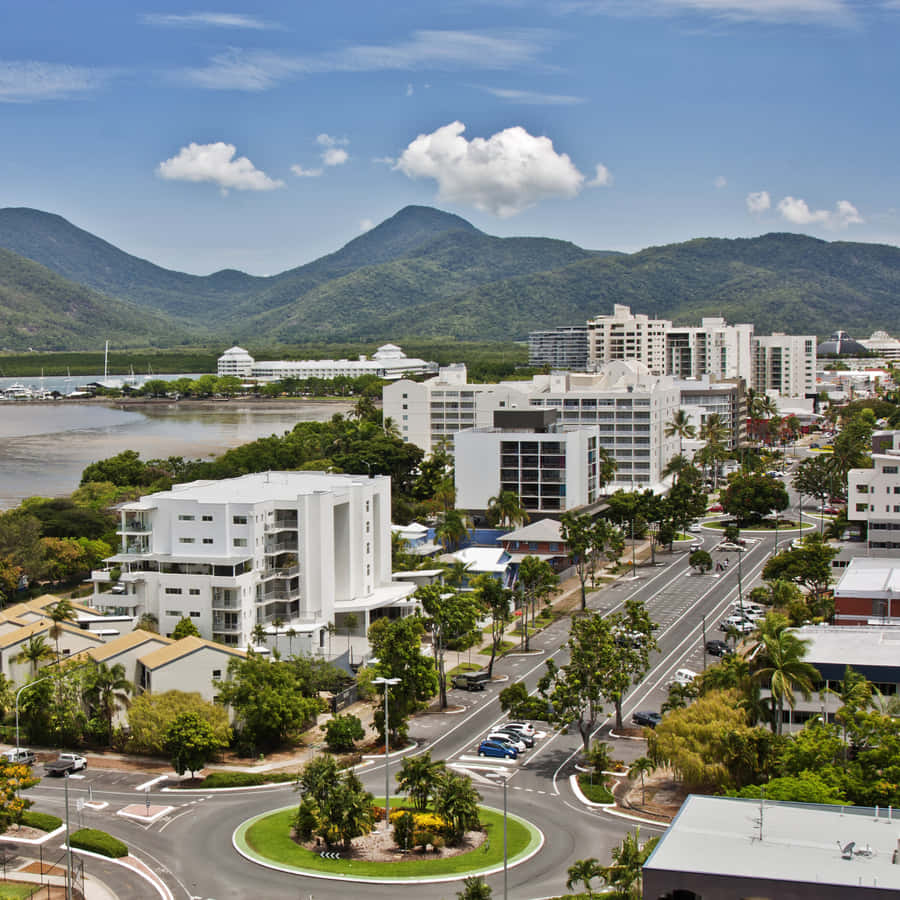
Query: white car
x,y
524,727
728,547
684,677
694,527
504,737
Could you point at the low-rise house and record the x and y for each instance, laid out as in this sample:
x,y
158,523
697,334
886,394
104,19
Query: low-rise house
x,y
70,641
868,592
542,539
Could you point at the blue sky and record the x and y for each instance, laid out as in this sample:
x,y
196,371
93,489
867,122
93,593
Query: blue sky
x,y
261,136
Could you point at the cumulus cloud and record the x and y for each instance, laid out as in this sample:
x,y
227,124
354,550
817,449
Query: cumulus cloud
x,y
503,174
534,98
209,19
306,173
758,202
797,212
216,163
720,181
27,81
602,177
335,156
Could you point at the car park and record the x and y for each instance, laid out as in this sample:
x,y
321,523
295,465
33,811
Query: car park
x,y
718,648
646,718
504,737
513,735
524,727
497,750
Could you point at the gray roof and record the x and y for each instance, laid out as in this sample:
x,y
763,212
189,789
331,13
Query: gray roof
x,y
542,530
857,646
801,842
867,576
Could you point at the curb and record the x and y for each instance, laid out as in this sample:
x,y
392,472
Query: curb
x,y
579,796
407,749
157,884
34,842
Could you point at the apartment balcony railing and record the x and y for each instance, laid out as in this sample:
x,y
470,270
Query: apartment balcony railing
x,y
280,547
270,596
225,604
287,572
134,526
220,626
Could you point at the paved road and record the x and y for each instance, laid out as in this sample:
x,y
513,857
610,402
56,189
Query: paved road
x,y
191,846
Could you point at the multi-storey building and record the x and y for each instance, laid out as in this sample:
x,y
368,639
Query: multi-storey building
x,y
714,349
304,548
623,335
559,348
702,397
785,364
550,467
873,497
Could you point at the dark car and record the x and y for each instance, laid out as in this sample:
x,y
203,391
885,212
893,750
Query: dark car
x,y
646,718
516,735
717,648
471,681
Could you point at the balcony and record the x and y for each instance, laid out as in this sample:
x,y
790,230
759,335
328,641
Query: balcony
x,y
271,596
280,547
134,525
287,572
223,626
136,547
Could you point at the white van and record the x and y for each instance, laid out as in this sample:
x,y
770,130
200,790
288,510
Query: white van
x,y
684,676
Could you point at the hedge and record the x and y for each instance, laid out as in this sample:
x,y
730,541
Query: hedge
x,y
41,821
243,779
98,842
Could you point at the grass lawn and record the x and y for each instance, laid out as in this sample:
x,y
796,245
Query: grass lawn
x,y
502,648
14,890
597,792
270,837
463,667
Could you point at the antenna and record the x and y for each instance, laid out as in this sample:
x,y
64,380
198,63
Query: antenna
x,y
758,821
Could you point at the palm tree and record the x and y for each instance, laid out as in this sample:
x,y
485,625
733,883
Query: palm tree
x,y
452,529
389,427
640,767
676,466
351,622
507,509
628,861
417,777
60,612
680,425
455,572
583,870
290,634
259,634
784,670
35,651
277,624
714,431
108,689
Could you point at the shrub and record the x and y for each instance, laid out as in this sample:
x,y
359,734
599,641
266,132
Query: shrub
x,y
96,841
341,732
244,779
41,821
596,792
404,830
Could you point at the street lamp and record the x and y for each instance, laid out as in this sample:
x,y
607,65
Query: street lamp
x,y
740,581
387,682
505,780
19,691
775,511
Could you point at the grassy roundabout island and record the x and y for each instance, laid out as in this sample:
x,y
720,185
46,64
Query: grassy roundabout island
x,y
267,839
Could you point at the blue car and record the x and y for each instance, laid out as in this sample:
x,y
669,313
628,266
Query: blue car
x,y
495,748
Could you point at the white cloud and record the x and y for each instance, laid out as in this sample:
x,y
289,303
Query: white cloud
x,y
27,81
534,98
306,173
215,20
797,212
758,202
216,163
409,90
503,174
825,12
602,177
335,156
366,224
720,181
326,140
257,70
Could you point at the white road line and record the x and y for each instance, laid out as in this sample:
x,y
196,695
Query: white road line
x,y
149,784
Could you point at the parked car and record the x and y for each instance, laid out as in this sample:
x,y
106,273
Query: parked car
x,y
716,507
504,737
829,510
470,681
694,527
729,547
646,718
718,648
524,727
66,762
20,757
498,750
513,735
684,676
815,446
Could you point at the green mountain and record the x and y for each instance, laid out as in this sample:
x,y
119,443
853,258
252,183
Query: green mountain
x,y
40,309
427,273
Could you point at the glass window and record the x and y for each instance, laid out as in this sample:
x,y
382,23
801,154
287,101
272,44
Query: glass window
x,y
183,518
207,518
240,542
239,520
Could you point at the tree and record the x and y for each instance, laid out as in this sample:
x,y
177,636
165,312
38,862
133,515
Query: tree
x,y
640,767
351,623
14,779
582,871
506,510
680,424
474,888
61,611
495,602
335,805
624,873
576,532
537,581
808,565
452,529
418,777
456,802
701,561
151,714
186,628
291,635
633,642
34,651
258,634
190,742
342,731
750,498
105,689
147,622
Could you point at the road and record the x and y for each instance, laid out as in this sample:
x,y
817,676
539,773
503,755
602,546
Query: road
x,y
190,847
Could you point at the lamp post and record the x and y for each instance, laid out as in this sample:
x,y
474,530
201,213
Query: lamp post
x,y
505,780
740,581
19,691
68,844
775,549
387,682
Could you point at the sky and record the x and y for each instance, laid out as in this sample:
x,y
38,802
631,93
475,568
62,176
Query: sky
x,y
261,136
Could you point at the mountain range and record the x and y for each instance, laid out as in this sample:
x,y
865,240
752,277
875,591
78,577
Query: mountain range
x,y
428,273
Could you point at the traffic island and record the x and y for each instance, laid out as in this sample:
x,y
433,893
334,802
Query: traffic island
x,y
266,840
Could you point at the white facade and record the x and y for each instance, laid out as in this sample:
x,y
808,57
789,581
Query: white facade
x,y
389,361
883,344
623,335
559,348
713,349
873,496
303,547
784,364
550,472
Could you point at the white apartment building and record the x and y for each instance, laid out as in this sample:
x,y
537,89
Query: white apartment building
x,y
551,468
304,547
559,348
784,364
703,397
714,348
389,361
623,335
873,497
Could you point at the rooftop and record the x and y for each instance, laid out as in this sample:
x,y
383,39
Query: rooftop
x,y
162,656
872,576
794,842
542,530
848,645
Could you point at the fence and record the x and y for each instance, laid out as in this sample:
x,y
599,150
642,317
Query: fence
x,y
49,867
345,698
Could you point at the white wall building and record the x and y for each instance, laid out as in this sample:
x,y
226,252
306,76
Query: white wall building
x,y
713,348
784,364
559,348
623,335
883,344
389,361
303,547
873,496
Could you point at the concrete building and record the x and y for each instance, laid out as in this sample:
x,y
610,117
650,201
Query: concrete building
x,y
542,539
703,397
883,345
873,497
71,640
559,348
389,361
713,349
623,336
784,364
868,592
731,849
305,548
552,468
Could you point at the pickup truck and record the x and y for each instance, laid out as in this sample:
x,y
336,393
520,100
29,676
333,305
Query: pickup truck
x,y
471,681
65,762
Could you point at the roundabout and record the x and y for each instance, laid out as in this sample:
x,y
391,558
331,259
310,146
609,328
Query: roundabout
x,y
266,840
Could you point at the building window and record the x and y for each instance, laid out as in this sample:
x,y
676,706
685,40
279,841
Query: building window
x,y
173,612
862,489
368,548
186,540
185,518
194,614
194,592
240,542
207,540
173,591
367,505
369,524
862,507
217,675
238,520
889,470
206,518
